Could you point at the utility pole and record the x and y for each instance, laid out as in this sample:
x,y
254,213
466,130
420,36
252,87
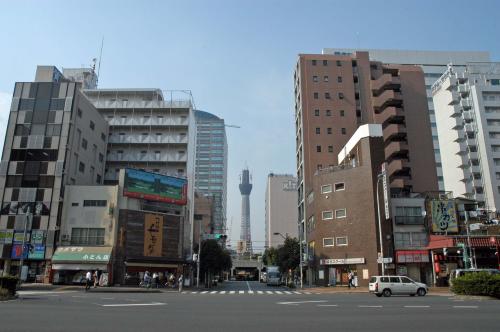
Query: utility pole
x,y
26,220
199,257
381,256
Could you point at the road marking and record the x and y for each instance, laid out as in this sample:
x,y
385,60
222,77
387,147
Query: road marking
x,y
327,305
278,292
185,292
241,292
107,298
297,292
223,292
214,292
194,292
132,300
232,292
204,292
269,292
260,292
300,302
248,285
250,292
43,292
465,306
132,304
369,306
308,293
78,296
417,306
287,292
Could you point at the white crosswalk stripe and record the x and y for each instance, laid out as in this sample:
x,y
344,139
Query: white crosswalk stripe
x,y
248,292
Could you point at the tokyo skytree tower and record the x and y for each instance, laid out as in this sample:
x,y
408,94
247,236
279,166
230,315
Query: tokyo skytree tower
x,y
245,190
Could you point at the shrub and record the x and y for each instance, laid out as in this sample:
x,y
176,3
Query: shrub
x,y
9,283
481,283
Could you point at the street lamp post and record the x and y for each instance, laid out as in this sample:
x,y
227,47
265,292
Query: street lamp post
x,y
381,257
26,220
198,260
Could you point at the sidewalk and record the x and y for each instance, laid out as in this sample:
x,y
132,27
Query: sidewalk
x,y
439,291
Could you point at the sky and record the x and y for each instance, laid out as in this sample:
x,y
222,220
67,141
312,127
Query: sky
x,y
237,58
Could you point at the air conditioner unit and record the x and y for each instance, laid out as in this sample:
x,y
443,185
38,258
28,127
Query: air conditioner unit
x,y
65,237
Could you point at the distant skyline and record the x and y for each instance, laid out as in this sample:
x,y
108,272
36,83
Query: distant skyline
x,y
236,57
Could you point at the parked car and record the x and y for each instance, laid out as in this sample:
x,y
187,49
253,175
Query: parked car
x,y
461,272
396,285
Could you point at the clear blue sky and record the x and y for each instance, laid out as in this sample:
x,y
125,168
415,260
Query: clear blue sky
x,y
237,57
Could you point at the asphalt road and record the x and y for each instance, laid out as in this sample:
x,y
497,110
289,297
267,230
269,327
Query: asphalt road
x,y
242,306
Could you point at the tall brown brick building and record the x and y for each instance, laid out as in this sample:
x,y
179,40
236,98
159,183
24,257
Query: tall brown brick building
x,y
335,94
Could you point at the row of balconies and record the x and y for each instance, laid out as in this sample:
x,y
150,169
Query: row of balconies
x,y
175,105
390,113
142,121
384,82
148,139
386,99
147,157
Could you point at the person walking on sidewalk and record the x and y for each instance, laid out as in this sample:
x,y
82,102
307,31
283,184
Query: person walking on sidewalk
x,y
181,281
88,280
351,279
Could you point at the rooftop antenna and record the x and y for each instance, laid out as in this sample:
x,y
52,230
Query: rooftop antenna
x,y
100,58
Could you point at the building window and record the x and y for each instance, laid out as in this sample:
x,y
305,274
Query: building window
x,y
313,62
342,113
84,143
75,204
409,215
341,240
319,166
101,157
315,78
98,179
325,63
328,242
339,79
316,112
339,186
343,131
87,236
341,95
316,95
340,213
318,130
329,131
327,215
318,148
81,167
327,188
327,95
330,148
92,125
328,113
325,78
339,63
99,203
103,137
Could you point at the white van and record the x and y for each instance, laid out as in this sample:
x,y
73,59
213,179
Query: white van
x,y
396,285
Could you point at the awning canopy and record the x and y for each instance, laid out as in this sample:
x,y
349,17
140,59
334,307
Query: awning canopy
x,y
80,267
443,241
85,255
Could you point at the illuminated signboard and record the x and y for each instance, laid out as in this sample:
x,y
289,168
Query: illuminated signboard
x,y
155,187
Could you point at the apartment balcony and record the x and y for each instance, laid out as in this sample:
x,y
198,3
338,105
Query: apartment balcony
x,y
386,99
398,168
390,113
467,116
458,123
150,139
394,131
155,121
463,90
139,157
385,82
449,83
465,103
469,128
395,148
454,98
138,104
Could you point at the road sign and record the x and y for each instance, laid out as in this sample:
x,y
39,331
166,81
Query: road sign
x,y
385,260
385,188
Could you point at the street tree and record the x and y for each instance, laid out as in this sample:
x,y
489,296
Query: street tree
x,y
289,255
270,256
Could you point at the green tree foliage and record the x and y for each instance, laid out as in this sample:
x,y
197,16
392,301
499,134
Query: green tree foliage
x,y
213,257
289,255
270,257
480,283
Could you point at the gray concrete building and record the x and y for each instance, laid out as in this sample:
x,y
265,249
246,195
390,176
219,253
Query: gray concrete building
x,y
280,208
433,64
55,137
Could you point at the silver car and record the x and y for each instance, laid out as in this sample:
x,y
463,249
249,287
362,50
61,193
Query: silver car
x,y
396,285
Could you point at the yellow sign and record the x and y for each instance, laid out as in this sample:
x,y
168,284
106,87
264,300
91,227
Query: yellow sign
x,y
153,235
444,216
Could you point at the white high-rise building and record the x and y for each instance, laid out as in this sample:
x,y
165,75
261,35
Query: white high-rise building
x,y
434,64
467,107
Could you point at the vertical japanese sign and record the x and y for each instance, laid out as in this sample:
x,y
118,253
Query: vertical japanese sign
x,y
444,216
385,188
153,235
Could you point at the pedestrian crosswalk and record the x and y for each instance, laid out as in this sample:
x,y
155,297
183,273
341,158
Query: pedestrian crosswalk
x,y
248,292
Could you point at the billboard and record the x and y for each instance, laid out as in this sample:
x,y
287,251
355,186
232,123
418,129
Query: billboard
x,y
155,187
444,218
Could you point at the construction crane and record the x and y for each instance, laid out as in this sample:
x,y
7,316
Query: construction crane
x,y
232,126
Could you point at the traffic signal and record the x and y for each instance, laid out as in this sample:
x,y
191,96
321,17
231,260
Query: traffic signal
x,y
220,237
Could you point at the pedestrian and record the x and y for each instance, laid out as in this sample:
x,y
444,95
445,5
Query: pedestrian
x,y
181,279
96,281
351,279
88,280
147,279
155,280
